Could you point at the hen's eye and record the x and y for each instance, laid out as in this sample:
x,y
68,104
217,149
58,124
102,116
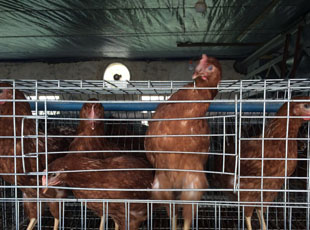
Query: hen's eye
x,y
210,67
307,106
52,174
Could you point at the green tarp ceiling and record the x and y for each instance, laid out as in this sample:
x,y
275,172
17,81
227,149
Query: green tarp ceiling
x,y
137,29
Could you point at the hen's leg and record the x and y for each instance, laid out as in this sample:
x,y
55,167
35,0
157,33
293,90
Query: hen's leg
x,y
192,181
31,211
102,223
187,215
161,181
54,209
175,222
32,223
116,226
248,222
187,225
56,223
261,219
173,215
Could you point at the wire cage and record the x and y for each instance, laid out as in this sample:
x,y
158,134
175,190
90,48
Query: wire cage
x,y
239,113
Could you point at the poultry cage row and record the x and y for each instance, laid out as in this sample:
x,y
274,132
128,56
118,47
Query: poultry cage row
x,y
239,113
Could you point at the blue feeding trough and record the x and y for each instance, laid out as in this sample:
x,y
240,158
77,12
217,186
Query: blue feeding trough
x,y
151,106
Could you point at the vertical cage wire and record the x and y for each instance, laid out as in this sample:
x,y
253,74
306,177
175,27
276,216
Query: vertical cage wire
x,y
216,210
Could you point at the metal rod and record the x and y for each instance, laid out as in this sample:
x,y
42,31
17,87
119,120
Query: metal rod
x,y
151,106
285,55
216,44
297,52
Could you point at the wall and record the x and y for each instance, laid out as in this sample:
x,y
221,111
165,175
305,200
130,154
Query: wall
x,y
93,70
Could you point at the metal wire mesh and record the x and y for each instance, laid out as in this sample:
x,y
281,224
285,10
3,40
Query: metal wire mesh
x,y
126,120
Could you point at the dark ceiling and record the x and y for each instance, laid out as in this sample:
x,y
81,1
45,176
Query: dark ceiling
x,y
141,29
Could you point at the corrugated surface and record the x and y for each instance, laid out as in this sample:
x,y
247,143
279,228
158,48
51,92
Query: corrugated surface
x,y
137,29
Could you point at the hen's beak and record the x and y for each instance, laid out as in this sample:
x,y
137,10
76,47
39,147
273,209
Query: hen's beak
x,y
204,57
93,115
44,184
194,76
92,125
307,117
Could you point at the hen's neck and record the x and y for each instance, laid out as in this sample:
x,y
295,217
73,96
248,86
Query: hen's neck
x,y
206,94
194,109
85,129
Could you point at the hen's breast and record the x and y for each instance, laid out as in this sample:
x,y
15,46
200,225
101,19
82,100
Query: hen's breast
x,y
189,137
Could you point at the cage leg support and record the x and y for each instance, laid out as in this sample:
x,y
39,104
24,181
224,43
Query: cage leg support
x,y
56,223
261,219
248,222
32,223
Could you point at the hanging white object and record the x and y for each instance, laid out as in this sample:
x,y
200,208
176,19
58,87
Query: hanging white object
x,y
200,6
116,75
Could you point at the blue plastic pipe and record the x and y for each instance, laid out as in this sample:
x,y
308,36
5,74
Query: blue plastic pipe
x,y
145,106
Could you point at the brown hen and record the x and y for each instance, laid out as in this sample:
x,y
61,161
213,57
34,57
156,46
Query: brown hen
x,y
207,74
276,128
7,149
92,129
126,179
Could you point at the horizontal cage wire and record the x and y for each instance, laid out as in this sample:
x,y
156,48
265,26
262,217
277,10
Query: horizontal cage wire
x,y
240,177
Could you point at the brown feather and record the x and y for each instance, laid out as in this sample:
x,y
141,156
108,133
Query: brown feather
x,y
7,149
81,143
183,180
276,128
107,179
